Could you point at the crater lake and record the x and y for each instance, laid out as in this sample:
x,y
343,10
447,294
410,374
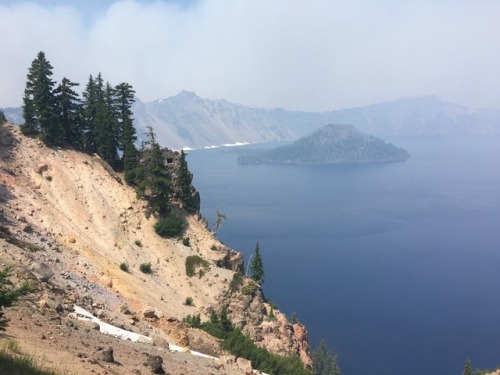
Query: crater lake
x,y
395,265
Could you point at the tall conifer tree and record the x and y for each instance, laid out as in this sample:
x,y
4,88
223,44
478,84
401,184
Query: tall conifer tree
x,y
124,97
183,186
88,115
153,176
256,266
39,103
68,111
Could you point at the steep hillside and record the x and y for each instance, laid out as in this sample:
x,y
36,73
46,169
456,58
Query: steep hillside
x,y
332,144
85,222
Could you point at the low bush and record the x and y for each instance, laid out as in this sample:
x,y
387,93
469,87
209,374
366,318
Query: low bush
x,y
193,262
124,267
250,288
145,268
170,226
185,241
188,301
138,243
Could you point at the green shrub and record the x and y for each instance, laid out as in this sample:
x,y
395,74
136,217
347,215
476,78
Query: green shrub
x,y
250,288
185,241
124,267
145,267
188,301
193,262
138,243
192,320
170,226
213,247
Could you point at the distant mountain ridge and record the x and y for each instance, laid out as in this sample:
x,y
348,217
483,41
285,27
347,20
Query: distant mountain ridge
x,y
188,121
332,144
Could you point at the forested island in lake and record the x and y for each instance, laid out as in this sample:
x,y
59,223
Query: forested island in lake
x,y
332,144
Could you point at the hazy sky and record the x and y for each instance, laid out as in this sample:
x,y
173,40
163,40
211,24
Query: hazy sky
x,y
295,54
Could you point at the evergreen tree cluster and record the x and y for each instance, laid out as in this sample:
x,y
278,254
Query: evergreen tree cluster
x,y
101,122
98,122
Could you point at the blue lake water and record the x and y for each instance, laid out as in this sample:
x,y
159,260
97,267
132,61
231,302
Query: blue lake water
x,y
396,265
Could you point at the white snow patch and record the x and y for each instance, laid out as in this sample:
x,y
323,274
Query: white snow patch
x,y
123,334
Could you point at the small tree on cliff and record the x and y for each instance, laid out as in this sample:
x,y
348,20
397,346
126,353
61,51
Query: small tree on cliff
x,y
256,266
323,362
3,119
468,368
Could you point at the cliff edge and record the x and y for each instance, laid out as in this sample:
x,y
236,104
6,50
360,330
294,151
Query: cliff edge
x,y
67,211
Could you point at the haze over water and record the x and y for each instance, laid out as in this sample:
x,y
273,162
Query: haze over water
x,y
395,265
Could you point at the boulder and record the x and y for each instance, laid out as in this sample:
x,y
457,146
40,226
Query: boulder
x,y
244,365
154,362
107,355
42,271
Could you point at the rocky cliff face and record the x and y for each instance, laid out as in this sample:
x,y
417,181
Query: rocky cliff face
x,y
76,217
266,326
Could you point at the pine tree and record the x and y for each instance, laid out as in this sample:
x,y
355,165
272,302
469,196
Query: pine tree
x,y
153,176
105,123
323,362
184,190
68,112
468,368
88,115
3,119
256,266
39,104
124,98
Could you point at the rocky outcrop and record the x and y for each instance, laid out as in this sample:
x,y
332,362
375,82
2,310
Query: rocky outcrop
x,y
250,313
228,258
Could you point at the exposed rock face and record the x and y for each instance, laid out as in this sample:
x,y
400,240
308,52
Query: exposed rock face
x,y
229,259
248,312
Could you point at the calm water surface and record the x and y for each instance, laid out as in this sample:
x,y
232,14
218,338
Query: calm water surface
x,y
397,265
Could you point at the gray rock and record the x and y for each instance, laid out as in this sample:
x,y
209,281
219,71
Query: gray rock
x,y
42,271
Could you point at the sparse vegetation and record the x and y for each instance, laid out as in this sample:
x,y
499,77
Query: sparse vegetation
x,y
185,241
48,178
192,320
124,267
188,301
8,294
170,226
15,364
236,282
193,262
146,268
240,345
138,243
250,288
